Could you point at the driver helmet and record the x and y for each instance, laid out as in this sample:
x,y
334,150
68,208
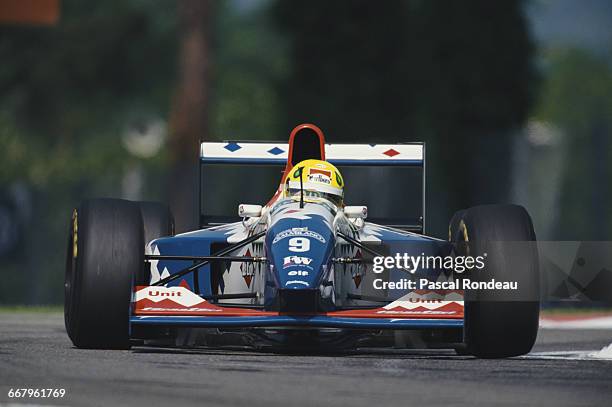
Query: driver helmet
x,y
320,180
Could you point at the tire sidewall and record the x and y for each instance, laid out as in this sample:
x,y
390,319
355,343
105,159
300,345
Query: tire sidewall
x,y
110,252
501,323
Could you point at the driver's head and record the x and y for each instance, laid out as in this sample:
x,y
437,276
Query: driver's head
x,y
320,179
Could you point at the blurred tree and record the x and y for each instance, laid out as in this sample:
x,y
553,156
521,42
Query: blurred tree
x,y
45,12
250,61
455,74
396,71
68,93
71,93
577,98
189,119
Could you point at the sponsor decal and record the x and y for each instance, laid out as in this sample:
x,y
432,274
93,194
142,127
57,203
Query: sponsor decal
x,y
296,282
247,270
179,295
420,312
290,261
192,309
322,172
319,178
298,232
415,303
157,293
298,273
418,300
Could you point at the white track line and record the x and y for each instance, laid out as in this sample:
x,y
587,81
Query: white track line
x,y
583,323
603,354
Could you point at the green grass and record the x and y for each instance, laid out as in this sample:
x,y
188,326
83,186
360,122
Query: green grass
x,y
31,308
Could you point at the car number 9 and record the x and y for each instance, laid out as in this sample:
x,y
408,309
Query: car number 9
x,y
299,244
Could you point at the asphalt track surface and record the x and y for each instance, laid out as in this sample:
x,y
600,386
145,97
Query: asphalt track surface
x,y
35,352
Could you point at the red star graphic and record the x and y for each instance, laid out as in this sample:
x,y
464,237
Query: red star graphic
x,y
357,280
245,266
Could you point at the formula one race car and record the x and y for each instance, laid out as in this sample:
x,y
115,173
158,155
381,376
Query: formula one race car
x,y
304,269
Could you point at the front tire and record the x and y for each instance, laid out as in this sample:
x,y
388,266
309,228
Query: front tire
x,y
158,222
498,323
105,253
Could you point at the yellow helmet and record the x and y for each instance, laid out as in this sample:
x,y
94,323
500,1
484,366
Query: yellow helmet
x,y
319,178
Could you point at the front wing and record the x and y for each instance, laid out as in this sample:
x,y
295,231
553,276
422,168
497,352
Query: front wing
x,y
179,306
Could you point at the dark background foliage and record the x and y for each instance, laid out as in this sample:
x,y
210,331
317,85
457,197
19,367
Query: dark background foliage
x,y
513,98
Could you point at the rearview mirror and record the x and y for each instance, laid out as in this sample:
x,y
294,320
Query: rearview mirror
x,y
249,211
356,212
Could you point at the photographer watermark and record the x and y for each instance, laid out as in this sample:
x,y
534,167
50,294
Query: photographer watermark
x,y
426,284
458,265
410,263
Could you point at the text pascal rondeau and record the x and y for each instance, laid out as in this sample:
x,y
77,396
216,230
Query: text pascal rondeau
x,y
425,284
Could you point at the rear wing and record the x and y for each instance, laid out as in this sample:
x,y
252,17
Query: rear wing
x,y
389,176
412,154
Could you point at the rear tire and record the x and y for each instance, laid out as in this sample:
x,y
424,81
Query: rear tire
x,y
498,323
105,252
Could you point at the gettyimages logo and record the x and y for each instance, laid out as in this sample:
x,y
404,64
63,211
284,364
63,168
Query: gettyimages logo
x,y
410,263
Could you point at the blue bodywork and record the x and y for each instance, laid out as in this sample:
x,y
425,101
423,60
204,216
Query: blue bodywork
x,y
299,245
321,241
